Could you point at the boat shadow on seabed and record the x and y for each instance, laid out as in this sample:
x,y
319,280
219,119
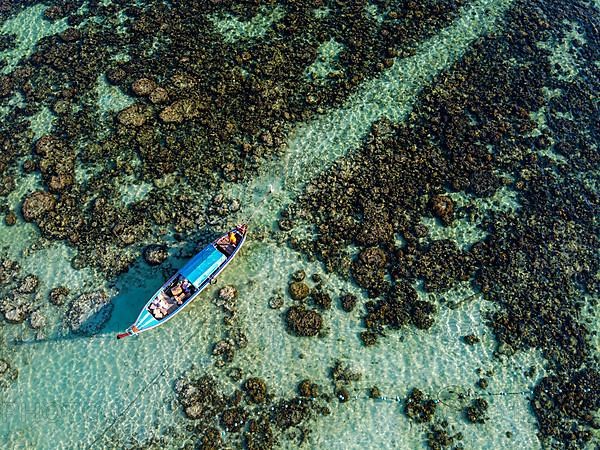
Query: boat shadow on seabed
x,y
134,289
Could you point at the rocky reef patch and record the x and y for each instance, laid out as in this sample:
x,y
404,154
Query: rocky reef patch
x,y
206,111
474,133
89,312
256,420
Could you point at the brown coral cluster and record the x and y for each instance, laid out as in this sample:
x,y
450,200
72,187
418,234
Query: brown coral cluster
x,y
471,134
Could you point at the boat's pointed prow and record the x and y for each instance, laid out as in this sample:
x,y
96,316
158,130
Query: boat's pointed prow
x,y
131,331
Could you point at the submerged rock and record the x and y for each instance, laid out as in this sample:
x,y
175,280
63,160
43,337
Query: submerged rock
x,y
58,295
37,204
89,312
155,254
256,389
303,322
419,408
299,290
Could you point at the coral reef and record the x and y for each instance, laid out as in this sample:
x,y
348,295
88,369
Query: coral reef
x,y
89,312
155,254
7,372
400,307
251,423
205,111
58,295
475,412
321,299
419,408
470,339
306,388
348,302
472,133
303,322
18,299
256,390
564,406
438,437
299,290
211,108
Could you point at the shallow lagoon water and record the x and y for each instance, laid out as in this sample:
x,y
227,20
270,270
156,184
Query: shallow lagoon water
x,y
66,382
70,388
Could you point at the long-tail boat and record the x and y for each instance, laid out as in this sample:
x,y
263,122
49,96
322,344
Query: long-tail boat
x,y
183,287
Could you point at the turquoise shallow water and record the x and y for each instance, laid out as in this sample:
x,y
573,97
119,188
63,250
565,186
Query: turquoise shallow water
x,y
70,388
67,383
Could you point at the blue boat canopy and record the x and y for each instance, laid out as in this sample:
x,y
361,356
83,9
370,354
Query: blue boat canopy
x,y
201,266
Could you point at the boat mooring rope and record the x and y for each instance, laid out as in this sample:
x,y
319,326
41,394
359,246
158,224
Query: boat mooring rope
x,y
140,392
124,411
57,339
262,200
459,393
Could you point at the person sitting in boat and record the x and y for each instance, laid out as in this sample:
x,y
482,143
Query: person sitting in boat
x,y
176,290
232,238
180,298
